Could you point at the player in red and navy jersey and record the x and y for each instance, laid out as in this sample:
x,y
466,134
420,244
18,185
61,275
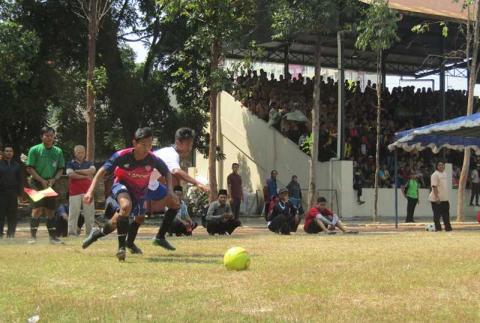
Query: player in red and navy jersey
x,y
132,168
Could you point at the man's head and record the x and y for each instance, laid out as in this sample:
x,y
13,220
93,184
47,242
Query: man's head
x,y
440,167
79,152
235,167
48,136
142,140
8,152
178,190
283,194
274,174
294,178
222,196
184,141
321,203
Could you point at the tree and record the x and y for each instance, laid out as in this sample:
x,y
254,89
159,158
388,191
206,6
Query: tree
x,y
20,72
378,31
215,25
317,17
93,11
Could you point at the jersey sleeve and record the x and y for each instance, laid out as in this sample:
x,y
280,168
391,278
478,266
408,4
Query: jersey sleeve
x,y
61,160
434,180
69,167
32,157
111,163
161,166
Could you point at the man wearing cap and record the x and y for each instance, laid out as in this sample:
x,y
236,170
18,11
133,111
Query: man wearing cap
x,y
220,218
132,168
283,218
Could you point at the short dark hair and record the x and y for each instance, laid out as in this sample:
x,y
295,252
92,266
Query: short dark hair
x,y
7,146
273,170
178,188
142,133
184,133
321,199
46,129
235,164
222,192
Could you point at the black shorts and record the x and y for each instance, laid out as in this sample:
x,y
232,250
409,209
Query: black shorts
x,y
47,202
313,228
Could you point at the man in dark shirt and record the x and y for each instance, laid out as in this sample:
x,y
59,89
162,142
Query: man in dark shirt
x,y
234,182
219,216
283,218
11,187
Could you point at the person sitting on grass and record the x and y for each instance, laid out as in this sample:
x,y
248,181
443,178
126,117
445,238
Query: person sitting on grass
x,y
183,223
283,217
220,218
322,219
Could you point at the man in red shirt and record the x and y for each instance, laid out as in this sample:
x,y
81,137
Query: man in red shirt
x,y
321,219
80,173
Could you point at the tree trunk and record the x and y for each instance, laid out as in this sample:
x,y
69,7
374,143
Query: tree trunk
x,y
212,151
312,188
90,115
470,100
377,146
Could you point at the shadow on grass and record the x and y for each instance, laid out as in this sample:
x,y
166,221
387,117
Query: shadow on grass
x,y
188,259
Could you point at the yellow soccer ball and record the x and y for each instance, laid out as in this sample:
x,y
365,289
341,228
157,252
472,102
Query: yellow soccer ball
x,y
236,258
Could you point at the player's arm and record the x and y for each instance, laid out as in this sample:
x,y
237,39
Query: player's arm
x,y
180,173
88,197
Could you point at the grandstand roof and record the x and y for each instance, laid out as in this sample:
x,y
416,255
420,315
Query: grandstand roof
x,y
458,134
415,55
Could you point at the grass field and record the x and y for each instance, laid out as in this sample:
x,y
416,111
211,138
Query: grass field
x,y
370,277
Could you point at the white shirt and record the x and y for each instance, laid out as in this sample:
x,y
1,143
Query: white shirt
x,y
474,176
171,158
439,179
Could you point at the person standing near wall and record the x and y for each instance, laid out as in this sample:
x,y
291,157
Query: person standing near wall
x,y
80,173
234,182
439,197
11,187
45,164
411,193
475,180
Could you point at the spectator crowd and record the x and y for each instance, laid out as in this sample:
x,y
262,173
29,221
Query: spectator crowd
x,y
285,103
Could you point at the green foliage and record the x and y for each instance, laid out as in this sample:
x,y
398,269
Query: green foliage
x,y
192,76
378,30
18,50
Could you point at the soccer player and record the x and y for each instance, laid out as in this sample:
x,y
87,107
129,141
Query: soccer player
x,y
171,156
132,168
45,164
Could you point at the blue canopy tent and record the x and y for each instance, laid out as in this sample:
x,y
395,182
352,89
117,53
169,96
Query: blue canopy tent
x,y
458,134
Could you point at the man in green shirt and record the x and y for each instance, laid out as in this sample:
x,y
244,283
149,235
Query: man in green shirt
x,y
410,191
45,164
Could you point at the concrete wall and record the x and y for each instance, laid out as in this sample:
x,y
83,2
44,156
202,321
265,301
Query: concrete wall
x,y
258,148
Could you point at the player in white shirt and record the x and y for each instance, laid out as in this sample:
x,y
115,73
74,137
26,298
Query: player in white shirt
x,y
156,189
